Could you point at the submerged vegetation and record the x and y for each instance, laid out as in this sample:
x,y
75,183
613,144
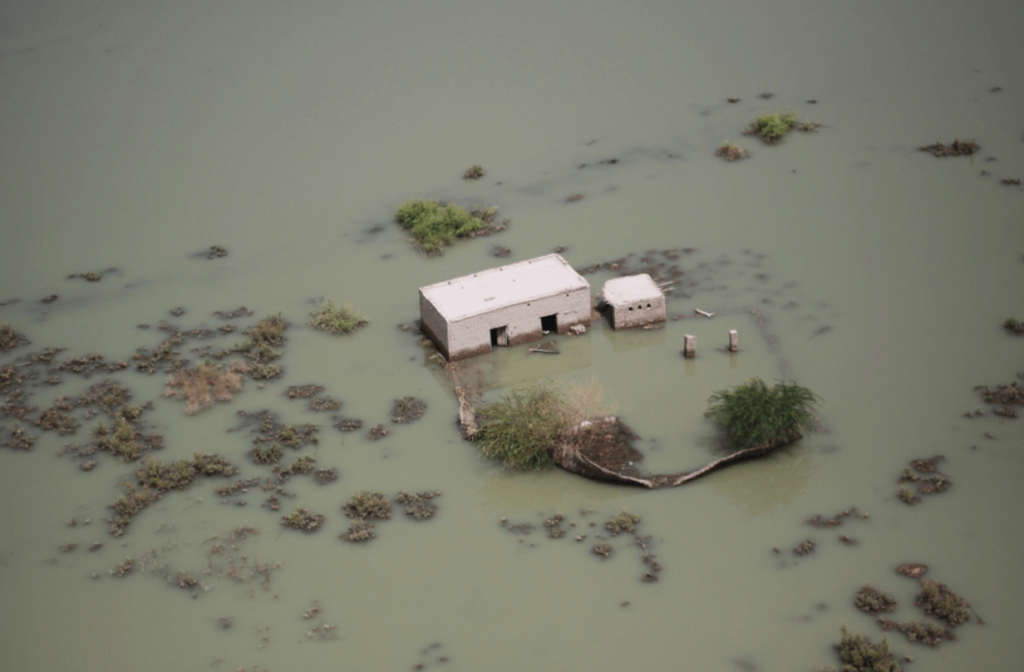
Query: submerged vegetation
x,y
754,414
433,225
774,126
1014,326
860,654
957,148
474,172
336,319
731,152
939,601
9,338
207,382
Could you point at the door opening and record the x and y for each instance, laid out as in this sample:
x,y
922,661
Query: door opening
x,y
549,323
499,336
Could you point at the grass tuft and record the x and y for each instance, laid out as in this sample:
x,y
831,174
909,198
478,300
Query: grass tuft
x,y
336,319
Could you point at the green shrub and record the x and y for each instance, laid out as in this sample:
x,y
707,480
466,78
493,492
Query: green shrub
x,y
772,127
522,427
754,414
860,654
336,319
433,226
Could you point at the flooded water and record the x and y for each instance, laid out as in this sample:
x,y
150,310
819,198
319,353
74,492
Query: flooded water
x,y
137,135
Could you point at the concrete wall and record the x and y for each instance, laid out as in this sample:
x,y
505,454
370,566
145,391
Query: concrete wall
x,y
433,325
472,335
639,312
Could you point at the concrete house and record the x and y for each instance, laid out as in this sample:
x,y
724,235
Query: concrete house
x,y
504,306
634,300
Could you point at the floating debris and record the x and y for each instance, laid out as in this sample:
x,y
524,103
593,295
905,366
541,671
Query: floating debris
x,y
913,570
958,148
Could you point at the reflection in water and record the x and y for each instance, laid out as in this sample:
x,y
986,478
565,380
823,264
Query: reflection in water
x,y
760,485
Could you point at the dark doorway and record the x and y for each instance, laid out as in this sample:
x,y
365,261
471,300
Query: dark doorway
x,y
499,336
549,323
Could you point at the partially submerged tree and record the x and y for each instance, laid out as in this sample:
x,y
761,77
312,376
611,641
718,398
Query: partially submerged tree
x,y
754,414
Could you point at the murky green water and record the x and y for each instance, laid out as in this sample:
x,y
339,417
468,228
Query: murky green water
x,y
135,135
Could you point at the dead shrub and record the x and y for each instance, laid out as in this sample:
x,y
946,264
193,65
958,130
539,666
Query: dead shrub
x,y
206,383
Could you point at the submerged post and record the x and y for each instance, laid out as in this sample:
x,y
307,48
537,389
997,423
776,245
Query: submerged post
x,y
734,341
690,347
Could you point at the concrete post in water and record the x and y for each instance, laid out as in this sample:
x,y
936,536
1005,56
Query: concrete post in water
x,y
690,348
734,341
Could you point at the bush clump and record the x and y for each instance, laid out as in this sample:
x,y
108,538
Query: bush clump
x,y
368,505
873,601
731,152
939,601
199,387
1014,326
434,225
523,426
754,414
302,519
624,521
336,319
860,654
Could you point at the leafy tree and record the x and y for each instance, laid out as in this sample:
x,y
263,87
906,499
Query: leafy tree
x,y
754,414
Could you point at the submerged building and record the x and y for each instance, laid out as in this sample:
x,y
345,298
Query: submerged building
x,y
634,300
504,306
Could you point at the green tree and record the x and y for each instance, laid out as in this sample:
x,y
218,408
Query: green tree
x,y
754,414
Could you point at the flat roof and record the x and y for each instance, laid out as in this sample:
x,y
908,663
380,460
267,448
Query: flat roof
x,y
502,286
619,291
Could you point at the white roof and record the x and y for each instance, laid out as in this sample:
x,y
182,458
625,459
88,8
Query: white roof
x,y
503,286
619,291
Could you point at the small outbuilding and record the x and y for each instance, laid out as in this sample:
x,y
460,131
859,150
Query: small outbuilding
x,y
504,306
634,300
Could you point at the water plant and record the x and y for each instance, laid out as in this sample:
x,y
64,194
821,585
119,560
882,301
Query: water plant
x,y
359,531
957,148
939,601
474,172
928,632
336,319
207,382
407,409
623,521
418,506
860,654
731,152
1014,326
9,338
368,505
754,414
908,496
873,601
434,225
262,340
772,127
302,519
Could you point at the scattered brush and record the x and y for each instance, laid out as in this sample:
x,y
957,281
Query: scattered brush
x,y
204,384
337,319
